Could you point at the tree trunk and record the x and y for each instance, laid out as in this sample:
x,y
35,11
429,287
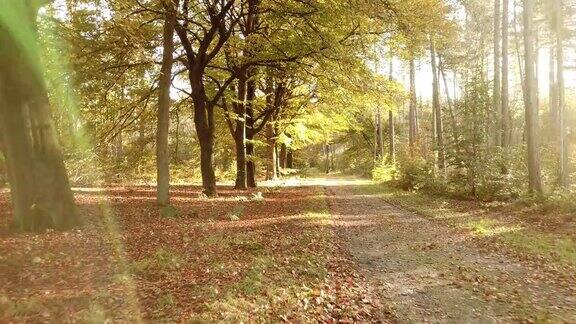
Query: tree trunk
x,y
118,146
163,123
438,113
332,148
327,158
413,132
290,159
534,173
391,128
564,172
496,99
449,101
282,157
240,134
536,65
40,189
250,163
553,92
505,113
277,161
379,135
177,138
271,171
204,122
391,138
240,143
518,53
207,164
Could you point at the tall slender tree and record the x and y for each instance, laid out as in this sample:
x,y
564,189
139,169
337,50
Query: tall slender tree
x,y
505,106
163,123
496,96
534,172
559,21
379,135
438,123
391,126
553,88
412,114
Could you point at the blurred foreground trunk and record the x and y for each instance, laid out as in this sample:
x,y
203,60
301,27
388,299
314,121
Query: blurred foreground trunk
x,y
40,190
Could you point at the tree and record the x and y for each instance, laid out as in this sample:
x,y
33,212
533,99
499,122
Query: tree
x,y
496,97
413,128
391,126
163,123
39,186
531,110
504,105
559,21
379,147
202,42
437,112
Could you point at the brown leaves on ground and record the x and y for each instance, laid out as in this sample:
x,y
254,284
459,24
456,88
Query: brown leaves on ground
x,y
240,257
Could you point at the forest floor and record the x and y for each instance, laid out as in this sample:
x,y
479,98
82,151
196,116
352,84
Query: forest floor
x,y
311,250
263,256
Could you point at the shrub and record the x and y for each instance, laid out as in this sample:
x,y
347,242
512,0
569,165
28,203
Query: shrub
x,y
413,173
384,173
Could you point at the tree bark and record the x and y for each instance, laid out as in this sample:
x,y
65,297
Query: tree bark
x,y
553,92
504,105
163,122
391,138
250,133
438,113
534,173
204,122
327,158
449,101
379,135
271,172
290,159
564,172
240,134
283,154
413,132
277,161
177,138
39,185
496,96
391,126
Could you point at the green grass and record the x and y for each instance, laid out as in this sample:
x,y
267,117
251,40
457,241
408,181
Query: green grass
x,y
489,227
27,307
252,282
169,212
94,314
162,260
550,246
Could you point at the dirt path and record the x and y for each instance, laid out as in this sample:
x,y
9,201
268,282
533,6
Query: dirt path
x,y
429,272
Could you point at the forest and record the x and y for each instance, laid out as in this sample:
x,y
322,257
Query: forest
x,y
300,161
